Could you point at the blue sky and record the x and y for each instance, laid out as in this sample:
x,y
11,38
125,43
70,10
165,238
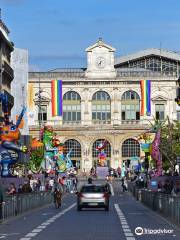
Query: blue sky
x,y
56,32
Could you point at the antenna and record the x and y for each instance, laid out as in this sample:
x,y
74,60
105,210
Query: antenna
x,y
0,14
160,47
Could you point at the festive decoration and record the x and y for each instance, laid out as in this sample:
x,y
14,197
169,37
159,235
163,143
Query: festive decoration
x,y
101,154
9,149
145,97
36,155
155,153
48,154
56,97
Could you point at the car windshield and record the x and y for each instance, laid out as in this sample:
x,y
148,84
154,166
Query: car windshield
x,y
93,189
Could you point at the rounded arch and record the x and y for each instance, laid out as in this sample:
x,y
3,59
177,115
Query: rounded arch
x,y
95,90
130,106
130,148
71,107
107,151
130,95
76,154
71,95
101,107
101,95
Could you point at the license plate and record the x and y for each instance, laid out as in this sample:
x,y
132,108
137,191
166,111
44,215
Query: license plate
x,y
92,204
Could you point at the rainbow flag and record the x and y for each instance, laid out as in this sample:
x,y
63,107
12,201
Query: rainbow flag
x,y
56,97
145,97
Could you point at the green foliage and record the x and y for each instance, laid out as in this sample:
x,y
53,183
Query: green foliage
x,y
170,142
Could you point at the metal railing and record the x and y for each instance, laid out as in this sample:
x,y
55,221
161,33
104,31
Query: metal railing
x,y
165,204
19,203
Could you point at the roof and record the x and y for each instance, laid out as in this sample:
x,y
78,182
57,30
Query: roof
x,y
100,43
4,39
68,70
148,52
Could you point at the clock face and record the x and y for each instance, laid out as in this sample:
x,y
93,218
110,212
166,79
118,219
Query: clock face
x,y
100,62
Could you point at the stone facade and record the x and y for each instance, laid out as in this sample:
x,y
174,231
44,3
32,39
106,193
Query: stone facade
x,y
101,75
19,85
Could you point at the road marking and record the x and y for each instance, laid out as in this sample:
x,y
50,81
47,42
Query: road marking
x,y
126,229
45,224
112,190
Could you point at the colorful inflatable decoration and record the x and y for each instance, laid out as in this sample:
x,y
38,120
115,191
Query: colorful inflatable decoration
x,y
36,155
101,155
9,148
48,154
48,139
156,154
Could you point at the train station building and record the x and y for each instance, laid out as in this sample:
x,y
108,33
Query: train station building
x,y
103,102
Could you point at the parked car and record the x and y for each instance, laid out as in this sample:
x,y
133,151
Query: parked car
x,y
93,195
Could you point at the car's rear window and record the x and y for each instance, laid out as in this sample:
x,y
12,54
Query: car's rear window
x,y
93,189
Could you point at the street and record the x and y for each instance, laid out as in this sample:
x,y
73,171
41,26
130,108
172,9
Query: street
x,y
124,216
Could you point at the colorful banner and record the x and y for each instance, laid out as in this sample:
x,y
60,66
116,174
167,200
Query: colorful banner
x,y
56,97
30,96
145,97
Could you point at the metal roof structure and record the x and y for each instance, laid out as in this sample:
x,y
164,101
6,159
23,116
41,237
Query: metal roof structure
x,y
148,52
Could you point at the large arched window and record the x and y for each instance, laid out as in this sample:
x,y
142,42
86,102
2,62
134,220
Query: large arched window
x,y
101,107
130,106
75,155
130,148
71,107
107,151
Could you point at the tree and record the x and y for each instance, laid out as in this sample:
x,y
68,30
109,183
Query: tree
x,y
170,143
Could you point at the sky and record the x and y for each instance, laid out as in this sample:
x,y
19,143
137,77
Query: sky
x,y
57,32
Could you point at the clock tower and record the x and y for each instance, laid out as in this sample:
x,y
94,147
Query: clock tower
x,y
100,61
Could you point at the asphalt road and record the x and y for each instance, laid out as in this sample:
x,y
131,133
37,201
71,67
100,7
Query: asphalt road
x,y
125,215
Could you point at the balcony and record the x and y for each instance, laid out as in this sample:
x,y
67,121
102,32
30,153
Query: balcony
x,y
8,71
96,122
57,123
133,122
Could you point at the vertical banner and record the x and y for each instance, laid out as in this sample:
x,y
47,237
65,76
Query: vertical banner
x,y
145,97
56,97
30,96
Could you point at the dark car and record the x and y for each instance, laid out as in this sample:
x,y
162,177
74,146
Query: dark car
x,y
93,195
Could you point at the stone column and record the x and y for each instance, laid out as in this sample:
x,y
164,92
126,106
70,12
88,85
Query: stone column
x,y
115,108
86,108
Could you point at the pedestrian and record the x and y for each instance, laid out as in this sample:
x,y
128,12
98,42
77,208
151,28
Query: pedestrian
x,y
75,182
38,185
167,188
20,189
124,184
12,189
26,188
176,188
57,197
89,180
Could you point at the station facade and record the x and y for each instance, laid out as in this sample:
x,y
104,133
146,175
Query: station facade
x,y
102,102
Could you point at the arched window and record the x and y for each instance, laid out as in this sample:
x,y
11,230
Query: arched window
x,y
130,106
101,107
75,155
71,107
107,151
130,148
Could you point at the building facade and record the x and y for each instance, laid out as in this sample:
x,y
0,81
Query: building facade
x,y
19,63
102,102
6,72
